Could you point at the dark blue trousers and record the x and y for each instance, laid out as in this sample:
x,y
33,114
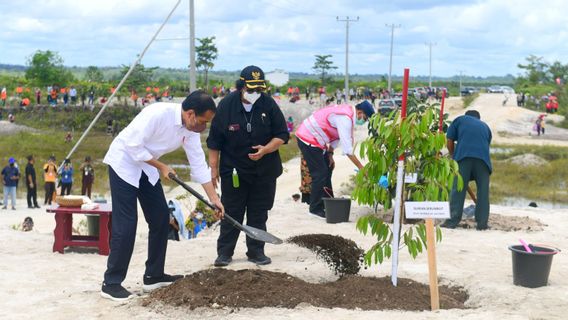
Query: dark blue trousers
x,y
124,221
318,165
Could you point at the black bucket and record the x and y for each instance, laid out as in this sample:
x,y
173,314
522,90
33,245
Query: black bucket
x,y
531,269
337,209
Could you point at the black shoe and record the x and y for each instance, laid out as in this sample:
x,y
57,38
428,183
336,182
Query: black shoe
x,y
37,207
152,283
260,260
448,225
115,292
482,228
30,207
222,261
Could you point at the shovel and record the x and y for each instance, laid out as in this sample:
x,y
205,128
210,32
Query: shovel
x,y
252,232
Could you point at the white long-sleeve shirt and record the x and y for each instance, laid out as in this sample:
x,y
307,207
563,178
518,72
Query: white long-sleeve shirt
x,y
344,126
155,131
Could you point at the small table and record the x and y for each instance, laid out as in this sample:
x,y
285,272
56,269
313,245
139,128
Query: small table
x,y
63,231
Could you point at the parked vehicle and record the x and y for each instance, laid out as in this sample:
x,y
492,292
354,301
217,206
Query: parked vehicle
x,y
466,91
386,106
495,89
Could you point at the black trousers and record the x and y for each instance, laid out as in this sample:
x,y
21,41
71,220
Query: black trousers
x,y
66,188
124,221
49,190
318,164
32,196
255,197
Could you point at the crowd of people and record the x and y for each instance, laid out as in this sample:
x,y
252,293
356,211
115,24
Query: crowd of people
x,y
54,178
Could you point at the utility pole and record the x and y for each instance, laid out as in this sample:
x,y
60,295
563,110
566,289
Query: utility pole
x,y
347,20
192,85
461,74
430,44
392,26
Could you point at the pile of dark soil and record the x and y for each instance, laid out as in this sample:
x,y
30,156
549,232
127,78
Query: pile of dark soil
x,y
506,223
342,255
217,288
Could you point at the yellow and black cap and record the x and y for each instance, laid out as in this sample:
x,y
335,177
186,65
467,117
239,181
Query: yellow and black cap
x,y
253,77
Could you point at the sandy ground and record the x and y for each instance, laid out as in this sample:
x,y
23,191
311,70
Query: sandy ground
x,y
37,283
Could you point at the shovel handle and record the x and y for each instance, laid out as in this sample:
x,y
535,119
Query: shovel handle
x,y
202,199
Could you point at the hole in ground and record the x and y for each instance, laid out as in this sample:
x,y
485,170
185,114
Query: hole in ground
x,y
248,288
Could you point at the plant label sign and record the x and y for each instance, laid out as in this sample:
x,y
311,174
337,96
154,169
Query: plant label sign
x,y
427,209
410,178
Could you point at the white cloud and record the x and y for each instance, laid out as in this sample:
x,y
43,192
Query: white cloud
x,y
483,37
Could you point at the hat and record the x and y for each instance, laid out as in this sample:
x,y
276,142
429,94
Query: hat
x,y
366,107
253,77
11,160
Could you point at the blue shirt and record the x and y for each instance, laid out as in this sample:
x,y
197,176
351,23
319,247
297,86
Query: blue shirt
x,y
8,172
67,175
473,138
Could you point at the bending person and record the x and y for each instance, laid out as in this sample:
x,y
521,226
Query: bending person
x,y
134,174
319,135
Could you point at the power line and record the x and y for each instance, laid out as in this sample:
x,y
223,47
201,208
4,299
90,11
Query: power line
x,y
392,26
347,20
430,44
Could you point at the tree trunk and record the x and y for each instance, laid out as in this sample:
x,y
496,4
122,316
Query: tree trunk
x,y
206,80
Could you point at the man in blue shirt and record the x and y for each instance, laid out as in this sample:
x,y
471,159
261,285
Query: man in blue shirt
x,y
10,176
473,138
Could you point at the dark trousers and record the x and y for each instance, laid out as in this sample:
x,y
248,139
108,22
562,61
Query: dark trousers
x,y
471,169
32,196
66,188
124,221
49,190
86,188
318,164
255,197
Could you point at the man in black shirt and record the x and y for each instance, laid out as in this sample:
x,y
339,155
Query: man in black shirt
x,y
31,184
246,132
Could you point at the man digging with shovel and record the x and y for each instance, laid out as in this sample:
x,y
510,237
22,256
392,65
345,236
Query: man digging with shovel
x,y
134,174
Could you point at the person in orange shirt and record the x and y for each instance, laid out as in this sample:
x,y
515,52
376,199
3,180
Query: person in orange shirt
x,y
19,90
148,89
3,96
49,176
134,97
112,89
53,96
25,102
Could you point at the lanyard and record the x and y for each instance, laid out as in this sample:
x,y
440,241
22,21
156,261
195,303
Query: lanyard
x,y
249,126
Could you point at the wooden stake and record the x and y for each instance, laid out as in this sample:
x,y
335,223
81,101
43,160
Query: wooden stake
x,y
432,270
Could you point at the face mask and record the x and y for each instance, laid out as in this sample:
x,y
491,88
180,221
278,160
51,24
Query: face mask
x,y
360,122
251,97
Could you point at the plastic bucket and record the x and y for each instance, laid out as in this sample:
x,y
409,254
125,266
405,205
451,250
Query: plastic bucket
x,y
337,209
531,270
93,224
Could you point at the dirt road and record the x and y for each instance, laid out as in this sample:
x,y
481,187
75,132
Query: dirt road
x,y
511,124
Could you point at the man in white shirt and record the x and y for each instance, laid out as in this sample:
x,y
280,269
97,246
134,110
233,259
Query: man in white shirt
x,y
134,174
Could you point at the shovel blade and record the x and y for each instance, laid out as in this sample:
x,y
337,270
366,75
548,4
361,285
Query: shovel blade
x,y
261,235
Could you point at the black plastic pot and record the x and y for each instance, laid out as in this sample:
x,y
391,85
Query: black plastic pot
x,y
531,270
337,209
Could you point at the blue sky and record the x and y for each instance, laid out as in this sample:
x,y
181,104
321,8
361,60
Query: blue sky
x,y
481,38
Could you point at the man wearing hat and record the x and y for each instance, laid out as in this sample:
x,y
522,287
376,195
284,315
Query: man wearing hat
x,y
319,135
10,177
243,147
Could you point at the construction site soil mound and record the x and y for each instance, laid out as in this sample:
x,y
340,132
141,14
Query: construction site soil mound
x,y
223,288
343,256
506,223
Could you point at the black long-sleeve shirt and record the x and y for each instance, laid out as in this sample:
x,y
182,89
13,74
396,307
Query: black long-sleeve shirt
x,y
228,134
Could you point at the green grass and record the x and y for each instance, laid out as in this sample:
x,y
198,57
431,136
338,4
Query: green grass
x,y
467,100
537,183
45,143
